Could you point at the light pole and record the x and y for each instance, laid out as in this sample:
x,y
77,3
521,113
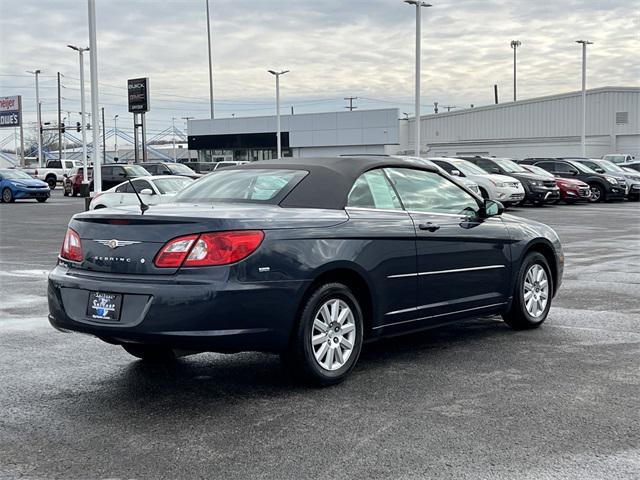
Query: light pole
x,y
83,124
584,95
39,119
95,107
115,135
514,45
210,60
277,75
419,4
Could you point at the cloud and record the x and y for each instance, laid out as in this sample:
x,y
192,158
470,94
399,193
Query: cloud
x,y
333,48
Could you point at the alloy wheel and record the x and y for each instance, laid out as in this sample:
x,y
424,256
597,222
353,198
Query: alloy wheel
x,y
333,335
536,290
6,195
595,194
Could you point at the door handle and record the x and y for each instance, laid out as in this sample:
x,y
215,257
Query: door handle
x,y
431,227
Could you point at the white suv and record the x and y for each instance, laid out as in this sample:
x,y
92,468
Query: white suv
x,y
505,189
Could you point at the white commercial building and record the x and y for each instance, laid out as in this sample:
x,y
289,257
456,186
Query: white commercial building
x,y
544,126
303,135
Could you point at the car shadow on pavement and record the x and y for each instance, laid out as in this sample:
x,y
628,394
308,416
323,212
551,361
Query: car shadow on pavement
x,y
206,380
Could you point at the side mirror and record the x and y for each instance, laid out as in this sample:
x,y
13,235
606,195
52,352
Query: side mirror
x,y
64,175
495,170
599,170
146,191
455,173
122,175
574,172
491,208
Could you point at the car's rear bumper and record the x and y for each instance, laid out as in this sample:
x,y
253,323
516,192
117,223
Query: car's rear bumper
x,y
174,310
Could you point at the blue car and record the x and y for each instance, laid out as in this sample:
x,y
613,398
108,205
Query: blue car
x,y
308,258
17,185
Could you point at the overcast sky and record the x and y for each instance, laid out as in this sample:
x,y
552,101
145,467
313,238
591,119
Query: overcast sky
x,y
334,48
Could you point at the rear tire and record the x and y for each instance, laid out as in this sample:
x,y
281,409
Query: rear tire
x,y
327,338
51,181
532,297
150,353
7,196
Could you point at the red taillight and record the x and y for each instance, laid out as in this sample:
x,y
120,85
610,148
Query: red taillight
x,y
71,246
208,249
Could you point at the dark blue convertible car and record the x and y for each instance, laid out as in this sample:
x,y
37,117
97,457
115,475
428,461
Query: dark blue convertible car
x,y
304,257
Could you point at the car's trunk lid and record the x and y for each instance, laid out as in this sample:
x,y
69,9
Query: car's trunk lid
x,y
122,240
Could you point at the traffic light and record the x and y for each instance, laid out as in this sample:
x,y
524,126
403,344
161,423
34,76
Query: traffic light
x,y
78,127
62,128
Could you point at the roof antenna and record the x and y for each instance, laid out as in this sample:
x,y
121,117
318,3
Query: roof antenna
x,y
143,206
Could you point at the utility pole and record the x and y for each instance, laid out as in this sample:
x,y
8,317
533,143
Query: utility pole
x,y
59,122
350,100
514,44
39,117
95,103
418,4
495,93
583,136
210,61
173,136
115,136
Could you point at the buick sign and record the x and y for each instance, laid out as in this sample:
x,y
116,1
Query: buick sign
x,y
138,94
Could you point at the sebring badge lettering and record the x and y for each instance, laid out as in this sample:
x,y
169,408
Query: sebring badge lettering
x,y
98,258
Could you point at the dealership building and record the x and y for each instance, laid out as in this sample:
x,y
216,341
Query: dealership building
x,y
544,126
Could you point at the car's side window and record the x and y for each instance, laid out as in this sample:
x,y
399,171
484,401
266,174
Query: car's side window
x,y
107,171
141,185
124,188
562,167
152,169
119,172
548,166
373,190
422,191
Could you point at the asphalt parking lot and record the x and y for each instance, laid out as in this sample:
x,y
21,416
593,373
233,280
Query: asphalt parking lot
x,y
475,400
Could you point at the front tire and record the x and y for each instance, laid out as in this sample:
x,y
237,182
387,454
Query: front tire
x,y
41,200
597,193
7,196
532,298
150,353
327,339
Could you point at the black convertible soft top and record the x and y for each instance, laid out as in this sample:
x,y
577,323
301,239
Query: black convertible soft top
x,y
330,179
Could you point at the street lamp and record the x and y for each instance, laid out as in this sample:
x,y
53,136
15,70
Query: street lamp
x,y
514,45
115,134
277,75
584,95
38,116
210,61
419,4
82,110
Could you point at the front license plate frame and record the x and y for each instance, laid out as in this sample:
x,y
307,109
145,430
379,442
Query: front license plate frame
x,y
104,306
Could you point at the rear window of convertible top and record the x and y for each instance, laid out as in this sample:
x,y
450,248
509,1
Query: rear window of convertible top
x,y
253,185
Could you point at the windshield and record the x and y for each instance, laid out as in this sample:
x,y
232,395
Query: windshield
x,y
509,165
180,169
11,174
581,167
610,167
246,185
172,185
136,170
538,171
615,158
468,168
